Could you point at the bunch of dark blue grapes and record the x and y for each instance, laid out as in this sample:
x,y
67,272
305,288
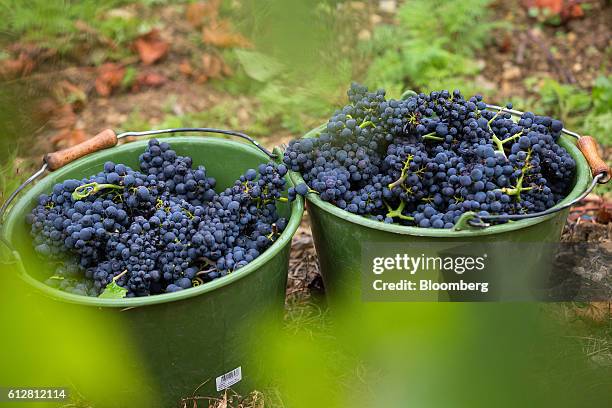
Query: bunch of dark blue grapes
x,y
159,229
429,158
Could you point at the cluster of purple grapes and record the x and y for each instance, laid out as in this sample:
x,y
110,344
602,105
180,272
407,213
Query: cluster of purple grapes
x,y
160,229
427,159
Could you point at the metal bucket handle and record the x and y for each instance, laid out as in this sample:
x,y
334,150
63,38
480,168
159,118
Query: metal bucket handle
x,y
104,140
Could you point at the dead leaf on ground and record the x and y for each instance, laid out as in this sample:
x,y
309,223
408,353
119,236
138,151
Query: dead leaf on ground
x,y
604,215
212,65
150,79
151,47
185,68
109,78
63,117
68,138
14,68
563,8
220,34
197,12
68,92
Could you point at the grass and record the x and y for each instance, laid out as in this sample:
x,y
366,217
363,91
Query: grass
x,y
68,25
587,112
12,173
423,52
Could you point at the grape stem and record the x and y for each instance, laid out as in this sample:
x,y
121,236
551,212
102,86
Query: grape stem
x,y
404,174
397,213
516,191
430,136
116,278
496,140
512,137
91,188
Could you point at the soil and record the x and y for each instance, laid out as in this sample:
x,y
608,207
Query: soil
x,y
575,52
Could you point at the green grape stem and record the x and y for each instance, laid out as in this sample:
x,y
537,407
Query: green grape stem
x,y
404,174
430,136
397,213
512,137
92,188
496,140
516,191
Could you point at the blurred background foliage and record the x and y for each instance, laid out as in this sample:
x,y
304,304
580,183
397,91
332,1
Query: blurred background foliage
x,y
294,60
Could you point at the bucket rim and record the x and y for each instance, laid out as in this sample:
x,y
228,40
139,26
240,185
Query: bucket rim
x,y
583,178
21,206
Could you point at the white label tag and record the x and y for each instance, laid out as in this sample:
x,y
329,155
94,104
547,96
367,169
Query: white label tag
x,y
228,379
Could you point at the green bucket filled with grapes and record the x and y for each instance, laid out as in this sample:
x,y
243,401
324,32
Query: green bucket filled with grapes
x,y
434,168
183,242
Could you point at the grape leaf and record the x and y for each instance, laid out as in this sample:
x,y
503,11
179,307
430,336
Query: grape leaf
x,y
113,291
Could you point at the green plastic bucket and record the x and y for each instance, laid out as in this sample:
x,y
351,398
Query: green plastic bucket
x,y
339,235
186,338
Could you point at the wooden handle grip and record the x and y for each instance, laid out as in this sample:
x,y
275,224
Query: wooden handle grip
x,y
103,140
590,149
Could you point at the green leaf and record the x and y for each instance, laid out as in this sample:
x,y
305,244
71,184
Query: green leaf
x,y
113,291
129,77
258,66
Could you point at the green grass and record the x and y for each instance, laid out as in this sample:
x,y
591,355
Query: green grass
x,y
13,172
432,47
586,112
53,24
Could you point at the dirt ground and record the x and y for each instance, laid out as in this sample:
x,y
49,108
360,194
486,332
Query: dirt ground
x,y
573,53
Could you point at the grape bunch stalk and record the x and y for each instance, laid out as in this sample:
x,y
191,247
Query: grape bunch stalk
x,y
162,228
425,160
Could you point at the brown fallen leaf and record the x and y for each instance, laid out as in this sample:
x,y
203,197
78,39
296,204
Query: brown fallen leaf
x,y
201,78
151,47
150,79
220,34
566,9
14,68
70,93
198,11
68,138
109,77
604,215
185,68
211,65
